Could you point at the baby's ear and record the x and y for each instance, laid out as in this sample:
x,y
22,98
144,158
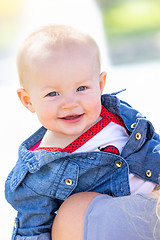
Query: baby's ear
x,y
102,80
25,99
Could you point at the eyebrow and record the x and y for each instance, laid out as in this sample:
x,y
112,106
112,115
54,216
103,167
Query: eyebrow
x,y
83,81
49,87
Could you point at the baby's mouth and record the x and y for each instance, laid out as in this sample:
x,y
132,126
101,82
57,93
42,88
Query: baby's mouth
x,y
72,117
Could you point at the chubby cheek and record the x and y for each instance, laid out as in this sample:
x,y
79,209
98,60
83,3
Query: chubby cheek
x,y
93,107
46,115
95,110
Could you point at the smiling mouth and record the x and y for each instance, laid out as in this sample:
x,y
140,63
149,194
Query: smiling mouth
x,y
72,118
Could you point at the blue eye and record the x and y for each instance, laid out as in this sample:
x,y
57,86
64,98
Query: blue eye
x,y
82,88
52,94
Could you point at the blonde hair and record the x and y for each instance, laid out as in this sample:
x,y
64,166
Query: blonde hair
x,y
158,209
52,37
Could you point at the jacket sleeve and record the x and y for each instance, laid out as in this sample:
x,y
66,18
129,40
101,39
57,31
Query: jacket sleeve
x,y
35,212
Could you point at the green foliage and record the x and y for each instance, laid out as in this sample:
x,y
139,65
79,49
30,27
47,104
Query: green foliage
x,y
133,29
132,17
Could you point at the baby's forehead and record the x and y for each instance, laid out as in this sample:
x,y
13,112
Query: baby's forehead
x,y
41,51
52,42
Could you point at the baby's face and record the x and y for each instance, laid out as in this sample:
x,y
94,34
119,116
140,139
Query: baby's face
x,y
65,91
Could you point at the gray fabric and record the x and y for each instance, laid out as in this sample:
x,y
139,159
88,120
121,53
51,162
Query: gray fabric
x,y
132,217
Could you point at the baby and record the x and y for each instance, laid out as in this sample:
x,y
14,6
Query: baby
x,y
88,142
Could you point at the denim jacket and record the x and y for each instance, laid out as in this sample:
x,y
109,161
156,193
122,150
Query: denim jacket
x,y
41,180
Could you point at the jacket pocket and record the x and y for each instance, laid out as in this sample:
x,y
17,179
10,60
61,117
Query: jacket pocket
x,y
55,180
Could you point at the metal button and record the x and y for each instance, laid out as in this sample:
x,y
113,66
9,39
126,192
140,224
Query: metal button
x,y
148,173
119,163
133,125
68,181
138,136
15,225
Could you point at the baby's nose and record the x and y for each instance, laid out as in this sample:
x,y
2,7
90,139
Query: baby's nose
x,y
70,102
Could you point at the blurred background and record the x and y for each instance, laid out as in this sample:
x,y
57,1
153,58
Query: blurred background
x,y
128,35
